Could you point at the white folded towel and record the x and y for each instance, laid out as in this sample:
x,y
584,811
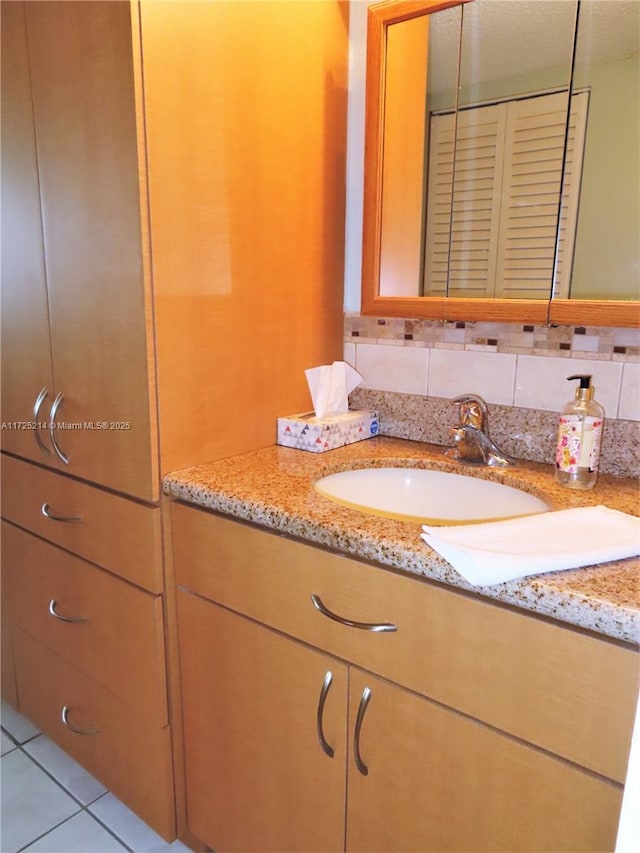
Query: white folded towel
x,y
499,551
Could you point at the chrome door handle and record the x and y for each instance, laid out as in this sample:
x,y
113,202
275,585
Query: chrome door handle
x,y
362,707
46,511
52,427
326,684
363,626
64,716
72,619
42,396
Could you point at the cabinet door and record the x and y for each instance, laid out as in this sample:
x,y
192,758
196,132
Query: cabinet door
x,y
257,775
82,80
26,351
437,780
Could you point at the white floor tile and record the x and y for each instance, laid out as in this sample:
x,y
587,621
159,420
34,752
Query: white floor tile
x,y
18,726
31,802
65,770
127,826
7,743
79,834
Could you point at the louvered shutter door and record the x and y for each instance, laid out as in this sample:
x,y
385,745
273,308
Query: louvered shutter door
x,y
441,133
505,205
474,229
475,219
530,191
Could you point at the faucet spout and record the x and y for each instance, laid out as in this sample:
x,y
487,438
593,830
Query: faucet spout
x,y
471,441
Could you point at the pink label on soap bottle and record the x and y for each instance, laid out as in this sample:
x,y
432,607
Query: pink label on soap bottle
x,y
578,443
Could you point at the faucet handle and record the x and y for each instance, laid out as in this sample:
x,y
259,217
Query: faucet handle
x,y
473,411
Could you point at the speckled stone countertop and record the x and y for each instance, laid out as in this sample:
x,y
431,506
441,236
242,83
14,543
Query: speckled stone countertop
x,y
274,488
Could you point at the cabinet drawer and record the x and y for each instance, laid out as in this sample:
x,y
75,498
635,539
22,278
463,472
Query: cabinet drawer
x,y
114,532
127,754
121,642
560,689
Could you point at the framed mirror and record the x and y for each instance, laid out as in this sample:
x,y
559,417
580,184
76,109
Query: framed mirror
x,y
448,216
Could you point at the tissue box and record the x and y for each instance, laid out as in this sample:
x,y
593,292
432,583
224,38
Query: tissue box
x,y
307,432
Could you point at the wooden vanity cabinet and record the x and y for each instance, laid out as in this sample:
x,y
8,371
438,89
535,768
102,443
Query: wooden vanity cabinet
x,y
432,773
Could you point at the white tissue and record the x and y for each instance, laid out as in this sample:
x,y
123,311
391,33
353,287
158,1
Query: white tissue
x,y
499,551
330,386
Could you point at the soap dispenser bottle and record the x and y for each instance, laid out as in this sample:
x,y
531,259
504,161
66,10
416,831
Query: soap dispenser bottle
x,y
579,437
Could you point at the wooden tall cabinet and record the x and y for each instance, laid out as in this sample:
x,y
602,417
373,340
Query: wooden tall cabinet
x,y
174,229
173,182
80,110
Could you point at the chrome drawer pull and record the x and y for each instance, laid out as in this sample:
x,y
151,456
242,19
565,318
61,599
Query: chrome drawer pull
x,y
364,626
362,707
65,719
52,610
52,427
42,396
46,511
326,684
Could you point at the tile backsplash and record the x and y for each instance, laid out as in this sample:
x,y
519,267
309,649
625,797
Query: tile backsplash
x,y
598,343
416,366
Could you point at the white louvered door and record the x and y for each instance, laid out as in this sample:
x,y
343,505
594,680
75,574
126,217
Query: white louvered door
x,y
476,201
439,186
532,175
508,169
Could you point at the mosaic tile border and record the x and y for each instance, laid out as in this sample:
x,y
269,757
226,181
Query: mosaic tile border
x,y
595,342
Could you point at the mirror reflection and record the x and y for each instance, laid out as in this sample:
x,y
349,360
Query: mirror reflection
x,y
473,164
421,74
515,74
607,74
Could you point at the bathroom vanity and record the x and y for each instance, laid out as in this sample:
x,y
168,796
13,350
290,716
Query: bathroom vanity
x,y
401,709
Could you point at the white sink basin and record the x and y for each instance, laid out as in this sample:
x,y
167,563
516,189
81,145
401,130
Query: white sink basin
x,y
435,497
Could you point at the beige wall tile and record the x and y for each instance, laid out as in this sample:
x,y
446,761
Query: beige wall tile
x,y
630,393
491,375
541,383
393,368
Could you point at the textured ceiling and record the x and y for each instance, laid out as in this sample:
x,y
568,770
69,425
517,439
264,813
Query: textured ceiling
x,y
506,37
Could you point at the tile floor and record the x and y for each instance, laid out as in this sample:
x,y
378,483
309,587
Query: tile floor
x,y
50,804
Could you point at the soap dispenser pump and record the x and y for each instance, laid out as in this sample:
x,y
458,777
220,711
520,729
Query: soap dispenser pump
x,y
579,438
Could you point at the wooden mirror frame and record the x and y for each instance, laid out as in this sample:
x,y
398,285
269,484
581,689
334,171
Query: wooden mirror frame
x,y
535,311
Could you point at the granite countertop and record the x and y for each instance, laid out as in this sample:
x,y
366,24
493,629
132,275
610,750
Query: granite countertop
x,y
274,488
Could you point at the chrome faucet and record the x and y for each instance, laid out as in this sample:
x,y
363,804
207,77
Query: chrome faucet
x,y
471,442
